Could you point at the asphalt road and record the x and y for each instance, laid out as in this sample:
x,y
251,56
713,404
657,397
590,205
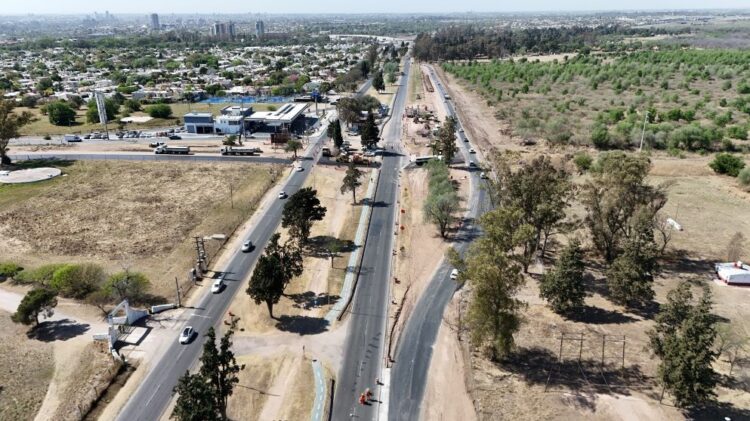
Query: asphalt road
x,y
412,360
155,391
131,156
364,346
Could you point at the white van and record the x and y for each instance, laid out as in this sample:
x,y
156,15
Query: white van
x,y
72,138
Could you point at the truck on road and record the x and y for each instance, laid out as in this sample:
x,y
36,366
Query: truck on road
x,y
174,150
240,150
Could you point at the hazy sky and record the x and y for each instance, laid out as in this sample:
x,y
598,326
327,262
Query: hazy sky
x,y
346,6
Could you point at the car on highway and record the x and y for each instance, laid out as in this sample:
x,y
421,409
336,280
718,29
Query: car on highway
x,y
471,150
454,274
218,285
156,143
483,175
282,195
247,246
472,164
466,139
461,130
174,137
187,335
298,168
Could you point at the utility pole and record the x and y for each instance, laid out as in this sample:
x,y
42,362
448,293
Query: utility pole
x,y
643,131
177,288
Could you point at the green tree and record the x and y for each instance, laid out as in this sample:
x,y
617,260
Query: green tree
x,y
9,270
446,140
159,111
278,265
204,395
726,163
683,338
300,211
440,209
616,191
336,135
60,113
351,181
563,286
10,124
35,302
631,275
77,280
377,81
293,145
126,285
132,105
369,131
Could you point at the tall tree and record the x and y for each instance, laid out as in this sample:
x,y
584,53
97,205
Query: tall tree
x,y
338,137
442,202
35,302
563,286
369,131
351,181
683,338
293,145
60,113
616,192
372,55
377,81
204,395
300,211
10,124
631,275
273,272
446,140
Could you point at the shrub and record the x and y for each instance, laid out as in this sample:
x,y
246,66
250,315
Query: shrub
x,y
61,114
583,161
9,270
600,137
737,132
41,275
728,164
77,281
159,111
744,177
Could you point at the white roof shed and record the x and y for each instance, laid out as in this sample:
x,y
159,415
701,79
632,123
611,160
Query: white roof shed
x,y
735,273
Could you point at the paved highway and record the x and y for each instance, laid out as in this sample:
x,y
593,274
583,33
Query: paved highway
x,y
364,346
154,392
414,351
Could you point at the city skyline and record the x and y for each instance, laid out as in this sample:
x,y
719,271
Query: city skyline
x,y
16,7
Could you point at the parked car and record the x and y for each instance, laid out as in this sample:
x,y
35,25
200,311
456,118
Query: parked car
x,y
218,285
247,246
187,335
174,137
282,195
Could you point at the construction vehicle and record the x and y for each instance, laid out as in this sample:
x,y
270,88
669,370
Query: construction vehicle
x,y
173,150
240,150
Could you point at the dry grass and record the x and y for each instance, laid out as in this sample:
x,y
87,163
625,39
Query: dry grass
x,y
299,398
251,392
26,368
133,214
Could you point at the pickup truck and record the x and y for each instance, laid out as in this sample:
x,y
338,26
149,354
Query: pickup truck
x,y
239,150
174,150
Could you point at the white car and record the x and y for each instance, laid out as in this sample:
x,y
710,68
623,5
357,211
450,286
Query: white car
x,y
298,169
217,286
483,175
246,246
187,334
454,274
282,195
461,130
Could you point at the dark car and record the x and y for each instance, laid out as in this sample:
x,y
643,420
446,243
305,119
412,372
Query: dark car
x,y
174,137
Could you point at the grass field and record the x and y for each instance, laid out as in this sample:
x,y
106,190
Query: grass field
x,y
26,368
136,214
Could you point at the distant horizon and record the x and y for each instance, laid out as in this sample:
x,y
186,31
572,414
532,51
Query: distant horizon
x,y
341,7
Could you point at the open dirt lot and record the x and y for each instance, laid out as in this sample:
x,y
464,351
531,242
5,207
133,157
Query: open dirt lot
x,y
26,367
135,214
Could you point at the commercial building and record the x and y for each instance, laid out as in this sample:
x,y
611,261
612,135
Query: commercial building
x,y
155,25
235,119
260,29
200,123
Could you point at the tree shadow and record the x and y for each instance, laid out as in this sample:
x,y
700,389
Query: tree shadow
x,y
302,325
541,366
309,299
718,411
599,286
57,330
599,316
318,246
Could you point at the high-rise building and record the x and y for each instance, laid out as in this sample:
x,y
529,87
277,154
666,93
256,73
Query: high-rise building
x,y
260,29
155,22
223,30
